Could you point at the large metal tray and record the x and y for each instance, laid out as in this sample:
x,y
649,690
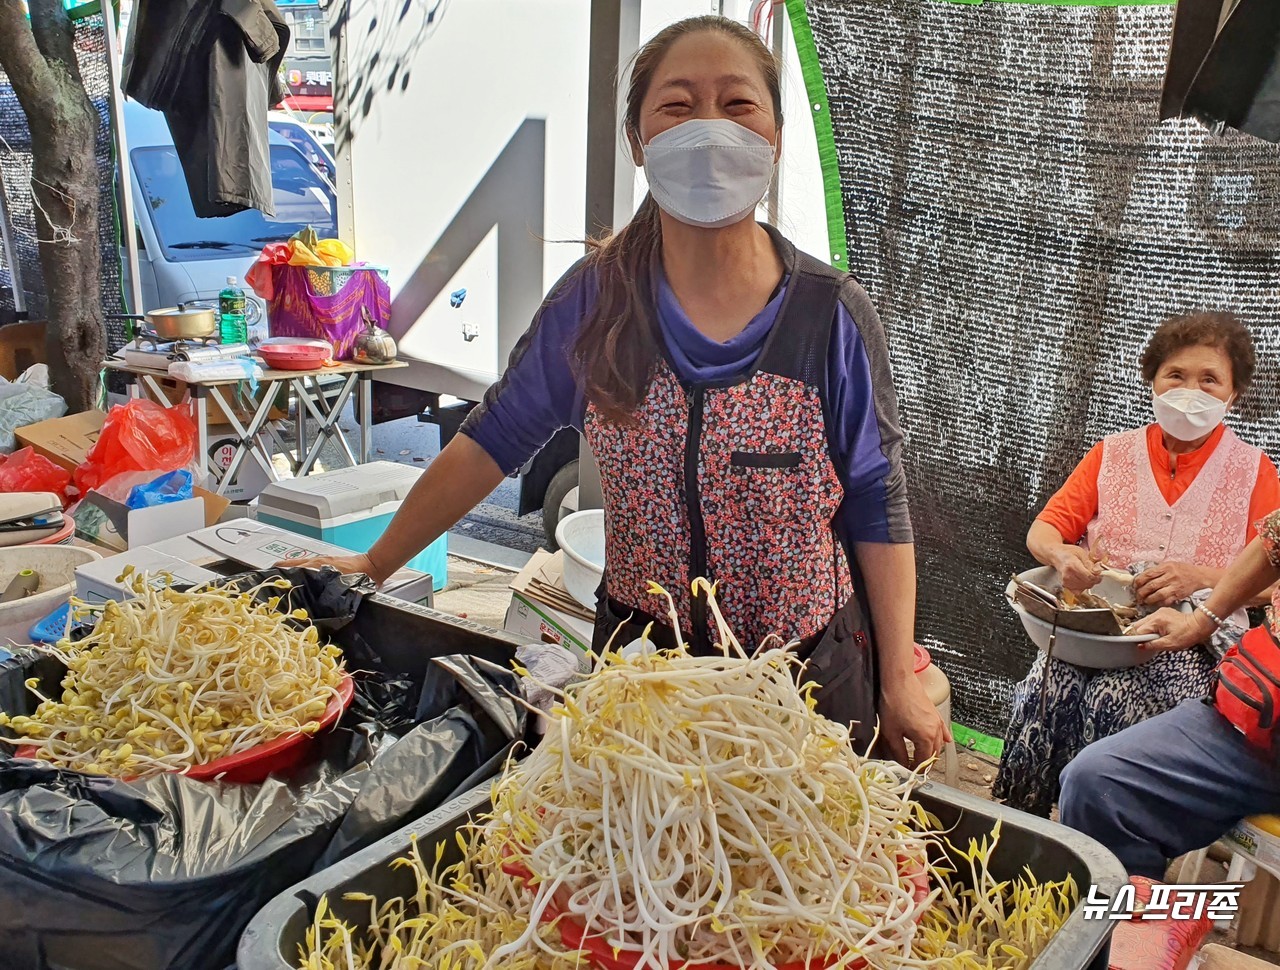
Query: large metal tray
x,y
1049,850
1074,646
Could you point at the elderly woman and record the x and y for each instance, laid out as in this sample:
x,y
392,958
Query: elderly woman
x,y
1173,503
1177,782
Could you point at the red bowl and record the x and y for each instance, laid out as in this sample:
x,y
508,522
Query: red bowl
x,y
276,757
603,956
306,356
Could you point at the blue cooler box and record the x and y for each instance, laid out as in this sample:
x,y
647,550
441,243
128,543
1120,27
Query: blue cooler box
x,y
351,508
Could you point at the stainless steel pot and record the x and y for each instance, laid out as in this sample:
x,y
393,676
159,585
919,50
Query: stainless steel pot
x,y
186,321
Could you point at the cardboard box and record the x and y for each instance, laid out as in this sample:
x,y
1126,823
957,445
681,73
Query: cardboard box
x,y
1217,957
64,441
99,581
106,523
532,621
542,610
542,579
251,478
176,392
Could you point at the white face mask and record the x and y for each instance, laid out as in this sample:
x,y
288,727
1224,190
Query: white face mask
x,y
708,172
1187,413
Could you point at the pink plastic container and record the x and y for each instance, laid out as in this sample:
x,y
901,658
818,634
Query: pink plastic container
x,y
292,353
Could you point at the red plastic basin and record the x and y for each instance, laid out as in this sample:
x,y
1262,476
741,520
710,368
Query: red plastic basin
x,y
603,956
276,757
304,355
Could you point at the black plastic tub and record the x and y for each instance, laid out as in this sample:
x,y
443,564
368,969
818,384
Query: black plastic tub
x,y
1050,850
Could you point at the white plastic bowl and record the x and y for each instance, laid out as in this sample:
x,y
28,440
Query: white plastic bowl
x,y
581,536
57,568
1081,649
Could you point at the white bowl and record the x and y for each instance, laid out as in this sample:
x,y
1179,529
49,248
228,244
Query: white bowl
x,y
581,536
57,568
1081,649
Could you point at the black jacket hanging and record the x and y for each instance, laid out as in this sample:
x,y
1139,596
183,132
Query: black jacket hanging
x,y
1224,65
212,67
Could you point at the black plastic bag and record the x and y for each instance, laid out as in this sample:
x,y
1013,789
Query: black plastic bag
x,y
164,874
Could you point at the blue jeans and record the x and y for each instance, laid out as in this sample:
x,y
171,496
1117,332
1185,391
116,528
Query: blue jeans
x,y
1170,785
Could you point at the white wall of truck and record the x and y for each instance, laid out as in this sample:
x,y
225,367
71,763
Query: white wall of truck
x,y
466,162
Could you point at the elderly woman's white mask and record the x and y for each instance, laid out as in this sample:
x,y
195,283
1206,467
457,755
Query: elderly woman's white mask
x,y
1188,413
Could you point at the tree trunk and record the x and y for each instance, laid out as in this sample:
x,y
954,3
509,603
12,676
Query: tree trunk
x,y
39,58
66,192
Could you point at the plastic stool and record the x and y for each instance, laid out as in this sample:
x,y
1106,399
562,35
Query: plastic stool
x,y
1255,842
938,688
1166,944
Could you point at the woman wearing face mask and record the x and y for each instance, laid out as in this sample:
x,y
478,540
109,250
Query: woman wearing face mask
x,y
736,395
1173,503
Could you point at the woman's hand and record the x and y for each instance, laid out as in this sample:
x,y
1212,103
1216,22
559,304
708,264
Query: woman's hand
x,y
1077,568
347,565
1169,583
907,714
1176,630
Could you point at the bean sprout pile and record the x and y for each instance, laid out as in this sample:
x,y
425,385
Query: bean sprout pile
x,y
173,679
688,811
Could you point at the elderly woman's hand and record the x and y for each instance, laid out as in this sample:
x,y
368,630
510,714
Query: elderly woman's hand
x,y
1176,630
1077,568
1169,583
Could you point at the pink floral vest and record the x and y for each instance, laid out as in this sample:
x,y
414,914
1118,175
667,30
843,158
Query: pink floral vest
x,y
1206,526
733,482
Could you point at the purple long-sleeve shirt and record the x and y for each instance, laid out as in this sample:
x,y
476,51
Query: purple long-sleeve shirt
x,y
539,394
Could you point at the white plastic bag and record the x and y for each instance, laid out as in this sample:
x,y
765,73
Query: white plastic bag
x,y
22,404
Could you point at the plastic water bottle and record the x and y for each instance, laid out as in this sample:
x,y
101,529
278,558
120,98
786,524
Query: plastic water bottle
x,y
231,303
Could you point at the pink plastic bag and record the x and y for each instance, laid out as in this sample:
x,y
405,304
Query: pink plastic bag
x,y
140,436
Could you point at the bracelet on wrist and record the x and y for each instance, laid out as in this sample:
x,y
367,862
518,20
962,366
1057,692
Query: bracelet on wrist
x,y
1217,620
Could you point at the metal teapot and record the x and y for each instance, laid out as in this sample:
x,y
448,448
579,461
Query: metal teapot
x,y
373,345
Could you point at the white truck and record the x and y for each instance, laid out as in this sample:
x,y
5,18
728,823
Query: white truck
x,y
477,146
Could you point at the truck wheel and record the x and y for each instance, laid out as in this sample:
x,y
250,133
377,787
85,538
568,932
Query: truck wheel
x,y
561,484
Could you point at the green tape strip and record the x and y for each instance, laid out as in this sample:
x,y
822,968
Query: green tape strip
x,y
79,11
811,68
967,739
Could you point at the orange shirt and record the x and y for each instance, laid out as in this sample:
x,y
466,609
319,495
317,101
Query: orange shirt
x,y
1074,505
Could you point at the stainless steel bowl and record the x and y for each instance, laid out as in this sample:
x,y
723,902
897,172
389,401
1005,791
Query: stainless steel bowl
x,y
1075,646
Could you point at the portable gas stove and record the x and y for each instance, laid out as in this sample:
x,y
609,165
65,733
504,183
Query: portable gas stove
x,y
148,341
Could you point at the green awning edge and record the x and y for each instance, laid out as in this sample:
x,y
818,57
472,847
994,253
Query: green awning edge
x,y
1072,3
1068,3
967,739
811,69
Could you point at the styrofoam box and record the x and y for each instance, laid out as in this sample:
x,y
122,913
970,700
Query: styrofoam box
x,y
99,581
